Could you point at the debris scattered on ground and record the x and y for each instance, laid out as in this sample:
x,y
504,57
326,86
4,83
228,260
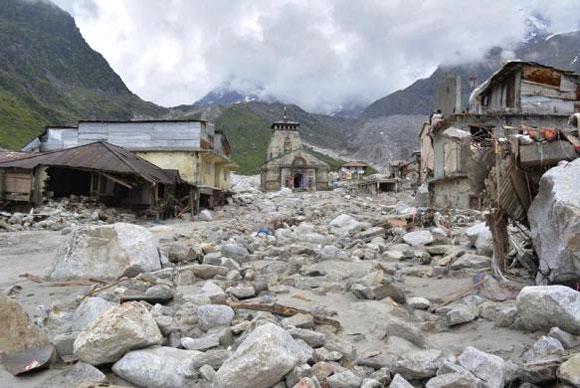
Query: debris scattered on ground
x,y
316,289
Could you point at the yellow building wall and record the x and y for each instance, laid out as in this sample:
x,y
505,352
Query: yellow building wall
x,y
222,176
184,161
208,171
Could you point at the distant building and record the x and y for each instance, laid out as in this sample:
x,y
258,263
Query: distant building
x,y
201,154
288,164
352,170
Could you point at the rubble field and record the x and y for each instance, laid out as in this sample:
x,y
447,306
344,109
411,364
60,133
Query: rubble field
x,y
286,289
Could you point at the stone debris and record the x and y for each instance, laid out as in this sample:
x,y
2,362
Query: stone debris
x,y
261,360
324,289
569,371
107,252
117,331
542,307
158,367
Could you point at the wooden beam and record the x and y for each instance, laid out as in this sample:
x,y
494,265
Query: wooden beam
x,y
116,180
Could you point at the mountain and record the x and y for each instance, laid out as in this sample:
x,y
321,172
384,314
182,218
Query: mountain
x,y
227,95
49,74
558,50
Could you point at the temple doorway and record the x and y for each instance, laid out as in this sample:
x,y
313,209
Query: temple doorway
x,y
298,179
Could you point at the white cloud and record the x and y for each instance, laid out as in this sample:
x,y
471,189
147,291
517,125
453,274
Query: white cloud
x,y
319,54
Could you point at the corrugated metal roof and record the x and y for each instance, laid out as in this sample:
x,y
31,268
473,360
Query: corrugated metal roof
x,y
100,156
12,155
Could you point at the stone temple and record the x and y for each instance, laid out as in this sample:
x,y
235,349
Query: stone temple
x,y
289,165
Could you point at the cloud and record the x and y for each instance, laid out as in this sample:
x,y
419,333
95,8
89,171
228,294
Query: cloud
x,y
319,54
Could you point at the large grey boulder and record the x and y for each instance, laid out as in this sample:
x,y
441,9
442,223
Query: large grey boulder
x,y
488,367
542,307
158,367
119,330
107,252
400,382
261,360
213,315
554,218
235,251
80,373
89,310
344,225
480,238
419,237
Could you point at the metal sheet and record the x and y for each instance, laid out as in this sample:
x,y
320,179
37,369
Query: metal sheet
x,y
28,360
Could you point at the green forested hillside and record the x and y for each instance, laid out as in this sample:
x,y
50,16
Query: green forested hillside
x,y
50,75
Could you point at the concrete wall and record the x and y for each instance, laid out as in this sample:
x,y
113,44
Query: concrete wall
x,y
451,193
448,96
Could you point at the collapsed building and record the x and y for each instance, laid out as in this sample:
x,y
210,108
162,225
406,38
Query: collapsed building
x,y
288,164
198,155
521,122
107,172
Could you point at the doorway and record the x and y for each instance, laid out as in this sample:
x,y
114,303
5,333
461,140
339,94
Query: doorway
x,y
298,178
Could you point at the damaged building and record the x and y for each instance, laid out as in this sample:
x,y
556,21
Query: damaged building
x,y
289,165
522,111
521,122
101,170
199,154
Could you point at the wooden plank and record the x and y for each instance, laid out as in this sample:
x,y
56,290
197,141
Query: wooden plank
x,y
541,75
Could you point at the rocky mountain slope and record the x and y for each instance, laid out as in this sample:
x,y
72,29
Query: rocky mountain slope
x,y
49,74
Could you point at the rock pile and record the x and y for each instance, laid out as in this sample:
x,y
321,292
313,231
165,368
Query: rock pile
x,y
308,290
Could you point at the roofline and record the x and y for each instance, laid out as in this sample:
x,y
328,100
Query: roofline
x,y
485,85
143,121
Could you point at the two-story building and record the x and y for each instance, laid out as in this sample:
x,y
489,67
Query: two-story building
x,y
200,154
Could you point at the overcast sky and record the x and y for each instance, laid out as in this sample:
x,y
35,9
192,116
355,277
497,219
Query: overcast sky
x,y
319,54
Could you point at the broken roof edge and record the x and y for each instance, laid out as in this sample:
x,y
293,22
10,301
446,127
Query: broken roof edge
x,y
141,121
507,66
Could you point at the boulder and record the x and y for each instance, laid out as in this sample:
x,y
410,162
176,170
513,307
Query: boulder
x,y
345,225
454,380
106,252
119,330
262,359
205,215
419,364
460,313
542,348
403,329
400,382
566,339
487,367
569,371
17,331
345,379
80,373
554,218
480,238
235,251
542,307
88,311
419,237
158,367
212,315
